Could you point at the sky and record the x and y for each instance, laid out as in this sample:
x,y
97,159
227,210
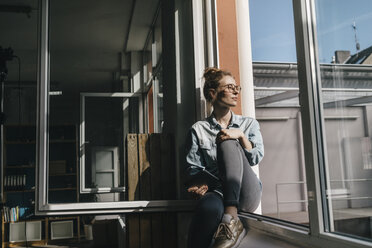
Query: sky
x,y
272,28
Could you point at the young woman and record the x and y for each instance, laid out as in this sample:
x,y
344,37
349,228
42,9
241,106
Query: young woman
x,y
220,152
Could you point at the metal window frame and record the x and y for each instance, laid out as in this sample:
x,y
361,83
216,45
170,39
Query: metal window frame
x,y
323,227
319,232
155,102
313,142
304,16
42,207
82,141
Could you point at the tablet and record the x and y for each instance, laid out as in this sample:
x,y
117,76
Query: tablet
x,y
204,177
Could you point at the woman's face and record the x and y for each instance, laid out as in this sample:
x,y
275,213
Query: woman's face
x,y
226,95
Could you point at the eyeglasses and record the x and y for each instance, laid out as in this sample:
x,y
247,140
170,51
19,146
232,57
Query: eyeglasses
x,y
232,88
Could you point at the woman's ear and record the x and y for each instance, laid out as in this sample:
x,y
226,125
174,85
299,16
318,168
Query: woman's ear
x,y
212,93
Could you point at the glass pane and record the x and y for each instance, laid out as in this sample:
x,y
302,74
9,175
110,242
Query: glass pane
x,y
103,146
105,179
272,30
344,41
98,59
86,55
282,171
104,160
18,82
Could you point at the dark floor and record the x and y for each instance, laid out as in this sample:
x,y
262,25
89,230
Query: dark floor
x,y
253,239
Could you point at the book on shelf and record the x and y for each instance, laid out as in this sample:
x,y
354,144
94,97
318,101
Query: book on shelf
x,y
15,182
15,214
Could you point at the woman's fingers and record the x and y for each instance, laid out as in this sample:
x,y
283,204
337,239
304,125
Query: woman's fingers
x,y
221,136
204,191
201,190
192,189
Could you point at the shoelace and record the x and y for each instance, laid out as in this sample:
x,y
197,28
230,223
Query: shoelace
x,y
223,229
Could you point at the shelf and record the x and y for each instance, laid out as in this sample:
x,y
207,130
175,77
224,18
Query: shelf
x,y
59,175
19,142
19,191
62,141
33,219
32,190
19,156
61,189
34,142
63,218
19,166
23,243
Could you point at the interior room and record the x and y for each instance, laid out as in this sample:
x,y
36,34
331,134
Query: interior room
x,y
104,57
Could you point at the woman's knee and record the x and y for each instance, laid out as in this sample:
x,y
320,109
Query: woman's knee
x,y
228,148
251,202
227,144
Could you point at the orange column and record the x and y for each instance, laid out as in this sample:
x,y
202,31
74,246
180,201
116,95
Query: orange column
x,y
228,41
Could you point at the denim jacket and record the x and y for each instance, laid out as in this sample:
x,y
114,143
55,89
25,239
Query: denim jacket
x,y
201,144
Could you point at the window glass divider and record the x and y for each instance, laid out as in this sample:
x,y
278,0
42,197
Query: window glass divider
x,y
313,130
310,119
42,107
42,207
326,205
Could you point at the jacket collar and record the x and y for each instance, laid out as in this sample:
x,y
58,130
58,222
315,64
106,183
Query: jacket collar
x,y
235,121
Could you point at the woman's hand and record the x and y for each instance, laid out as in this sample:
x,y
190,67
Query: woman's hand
x,y
226,134
198,190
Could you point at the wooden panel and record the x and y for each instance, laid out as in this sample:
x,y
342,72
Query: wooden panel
x,y
145,188
156,188
134,230
168,174
157,230
145,229
133,178
155,162
170,230
2,230
152,158
144,167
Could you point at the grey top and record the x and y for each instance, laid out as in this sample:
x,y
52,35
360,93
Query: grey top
x,y
201,144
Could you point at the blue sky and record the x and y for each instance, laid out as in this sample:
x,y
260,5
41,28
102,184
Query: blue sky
x,y
272,28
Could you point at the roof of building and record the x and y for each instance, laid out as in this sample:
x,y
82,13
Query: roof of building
x,y
359,57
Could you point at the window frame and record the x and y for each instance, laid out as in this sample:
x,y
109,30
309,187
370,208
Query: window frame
x,y
42,207
82,141
314,143
315,154
318,234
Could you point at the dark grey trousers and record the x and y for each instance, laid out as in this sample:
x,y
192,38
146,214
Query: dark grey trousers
x,y
240,186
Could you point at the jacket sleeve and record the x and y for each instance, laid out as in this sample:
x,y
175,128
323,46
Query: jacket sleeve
x,y
193,161
256,154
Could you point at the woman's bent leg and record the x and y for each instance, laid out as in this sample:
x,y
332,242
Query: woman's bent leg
x,y
251,189
241,187
206,219
230,164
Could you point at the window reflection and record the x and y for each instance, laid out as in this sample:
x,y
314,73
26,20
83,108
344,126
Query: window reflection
x,y
101,67
345,44
282,170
